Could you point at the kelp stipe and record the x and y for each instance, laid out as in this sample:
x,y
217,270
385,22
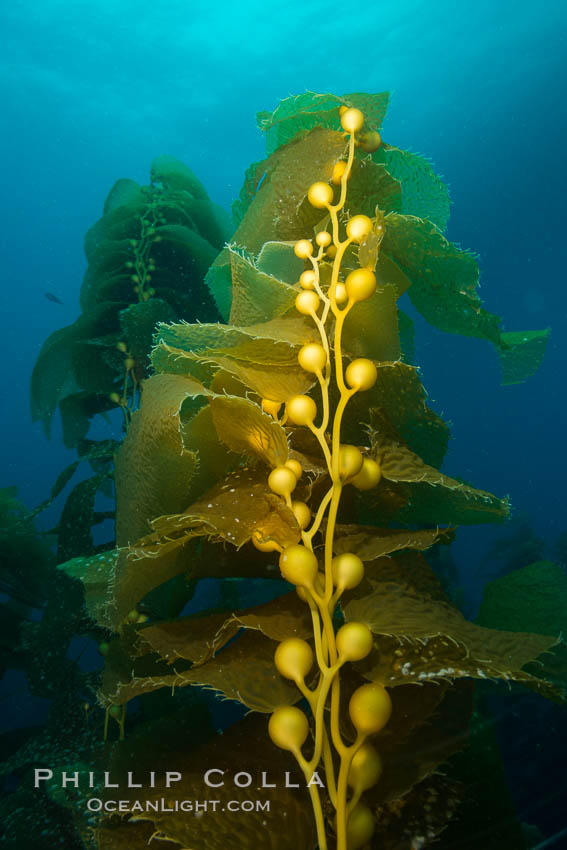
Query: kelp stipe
x,y
370,705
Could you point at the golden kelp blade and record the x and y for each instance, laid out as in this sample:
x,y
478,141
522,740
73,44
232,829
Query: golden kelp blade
x,y
435,641
235,750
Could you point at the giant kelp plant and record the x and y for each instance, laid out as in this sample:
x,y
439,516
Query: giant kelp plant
x,y
147,258
292,440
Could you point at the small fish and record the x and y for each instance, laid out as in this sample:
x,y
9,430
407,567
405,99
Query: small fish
x,y
51,297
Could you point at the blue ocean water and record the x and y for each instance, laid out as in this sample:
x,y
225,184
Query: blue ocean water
x,y
92,91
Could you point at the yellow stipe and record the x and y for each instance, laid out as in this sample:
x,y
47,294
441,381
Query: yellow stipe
x,y
299,563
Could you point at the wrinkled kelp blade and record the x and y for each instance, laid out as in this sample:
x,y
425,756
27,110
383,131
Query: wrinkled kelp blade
x,y
301,113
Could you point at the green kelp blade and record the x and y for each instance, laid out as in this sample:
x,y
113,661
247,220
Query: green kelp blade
x,y
284,617
127,668
274,343
77,410
412,759
279,211
278,383
421,639
75,526
535,596
406,328
213,561
388,273
444,280
371,187
210,220
173,174
107,277
420,503
429,493
295,330
163,461
124,192
186,300
532,598
257,685
278,260
521,354
373,107
198,436
138,323
373,332
120,223
257,297
112,588
62,480
97,365
98,453
429,723
113,585
407,568
219,283
116,285
371,543
431,804
238,506
254,174
53,377
181,255
153,469
301,113
203,339
235,750
96,573
169,457
184,247
175,361
423,193
240,423
243,426
298,114
199,637
396,407
414,707
149,476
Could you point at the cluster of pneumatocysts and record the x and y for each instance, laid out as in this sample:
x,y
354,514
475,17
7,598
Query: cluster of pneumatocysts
x,y
118,712
321,586
127,399
142,265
